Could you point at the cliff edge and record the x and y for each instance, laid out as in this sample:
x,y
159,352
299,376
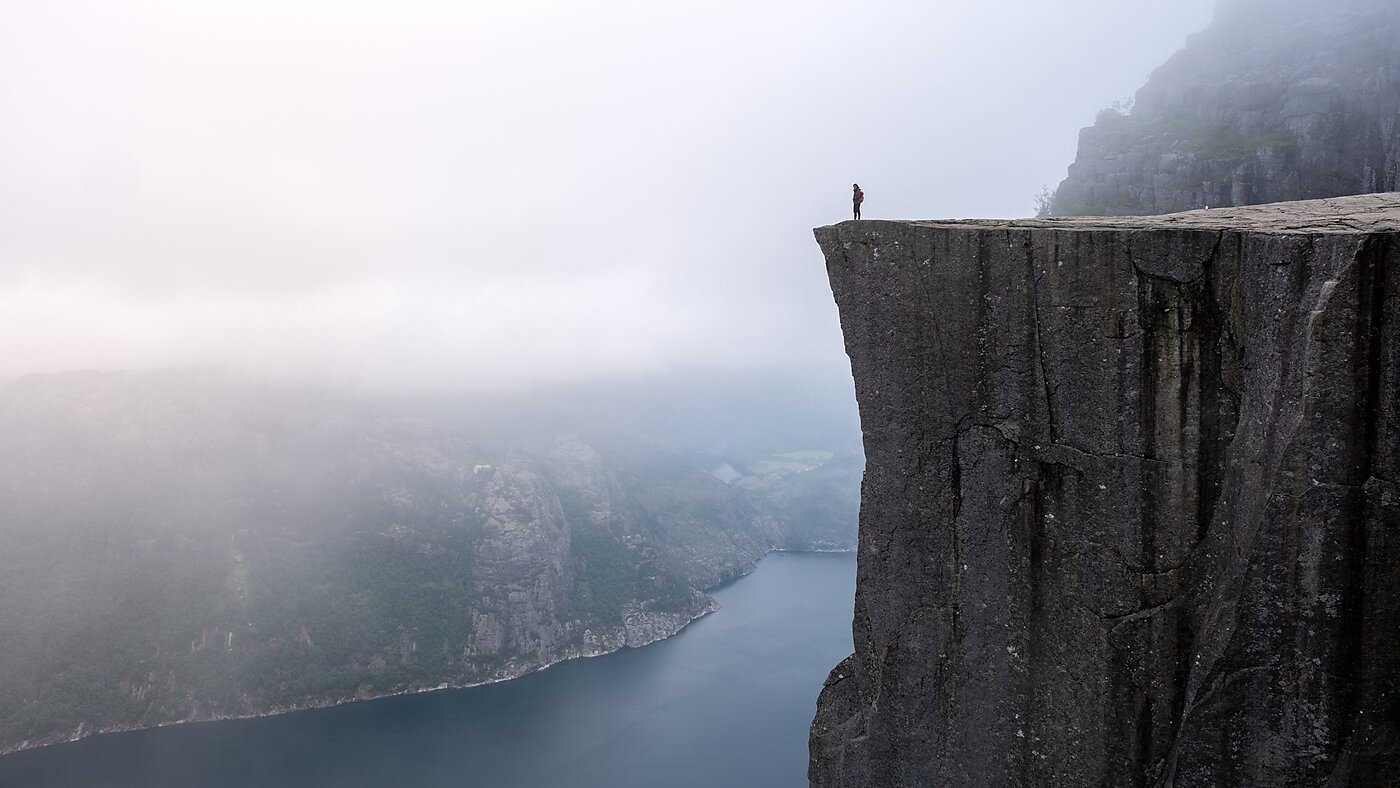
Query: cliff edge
x,y
1131,512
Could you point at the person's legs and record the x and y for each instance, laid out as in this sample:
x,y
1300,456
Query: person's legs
x,y
856,209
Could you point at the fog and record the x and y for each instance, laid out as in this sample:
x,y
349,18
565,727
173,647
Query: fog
x,y
412,196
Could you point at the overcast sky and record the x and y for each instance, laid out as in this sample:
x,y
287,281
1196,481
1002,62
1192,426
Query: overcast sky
x,y
480,194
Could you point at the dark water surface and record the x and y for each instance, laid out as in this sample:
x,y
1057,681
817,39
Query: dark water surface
x,y
725,703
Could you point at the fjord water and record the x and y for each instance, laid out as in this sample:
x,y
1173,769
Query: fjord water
x,y
726,702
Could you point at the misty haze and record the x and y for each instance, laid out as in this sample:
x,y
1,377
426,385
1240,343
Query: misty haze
x,y
453,394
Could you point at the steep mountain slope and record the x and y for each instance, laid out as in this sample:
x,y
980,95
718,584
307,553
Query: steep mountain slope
x,y
1277,100
182,546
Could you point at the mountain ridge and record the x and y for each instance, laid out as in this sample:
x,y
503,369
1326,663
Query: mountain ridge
x,y
191,546
1273,102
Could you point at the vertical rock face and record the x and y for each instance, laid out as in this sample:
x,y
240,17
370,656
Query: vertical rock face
x,y
1277,100
1130,514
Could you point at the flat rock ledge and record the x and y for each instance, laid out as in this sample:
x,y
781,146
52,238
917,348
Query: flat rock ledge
x,y
1131,512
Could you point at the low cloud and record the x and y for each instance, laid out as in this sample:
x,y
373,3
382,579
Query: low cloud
x,y
421,195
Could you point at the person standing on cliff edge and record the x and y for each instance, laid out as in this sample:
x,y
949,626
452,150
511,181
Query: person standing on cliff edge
x,y
857,197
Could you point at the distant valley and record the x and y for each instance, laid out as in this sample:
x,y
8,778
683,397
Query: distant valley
x,y
187,546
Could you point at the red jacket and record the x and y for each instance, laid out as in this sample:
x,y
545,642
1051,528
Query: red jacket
x,y
858,196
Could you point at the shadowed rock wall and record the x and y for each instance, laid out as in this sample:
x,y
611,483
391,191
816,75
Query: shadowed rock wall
x,y
1130,514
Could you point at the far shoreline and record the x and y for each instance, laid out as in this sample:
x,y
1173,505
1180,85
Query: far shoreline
x,y
712,607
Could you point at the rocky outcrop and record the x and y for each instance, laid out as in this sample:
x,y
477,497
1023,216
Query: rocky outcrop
x,y
1131,512
1277,100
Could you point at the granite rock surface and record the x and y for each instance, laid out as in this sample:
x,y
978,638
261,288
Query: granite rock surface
x,y
1131,512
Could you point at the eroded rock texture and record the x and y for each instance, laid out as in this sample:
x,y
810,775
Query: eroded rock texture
x,y
1130,515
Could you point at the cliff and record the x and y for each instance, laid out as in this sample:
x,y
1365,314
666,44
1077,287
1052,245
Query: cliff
x,y
1277,100
1130,515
